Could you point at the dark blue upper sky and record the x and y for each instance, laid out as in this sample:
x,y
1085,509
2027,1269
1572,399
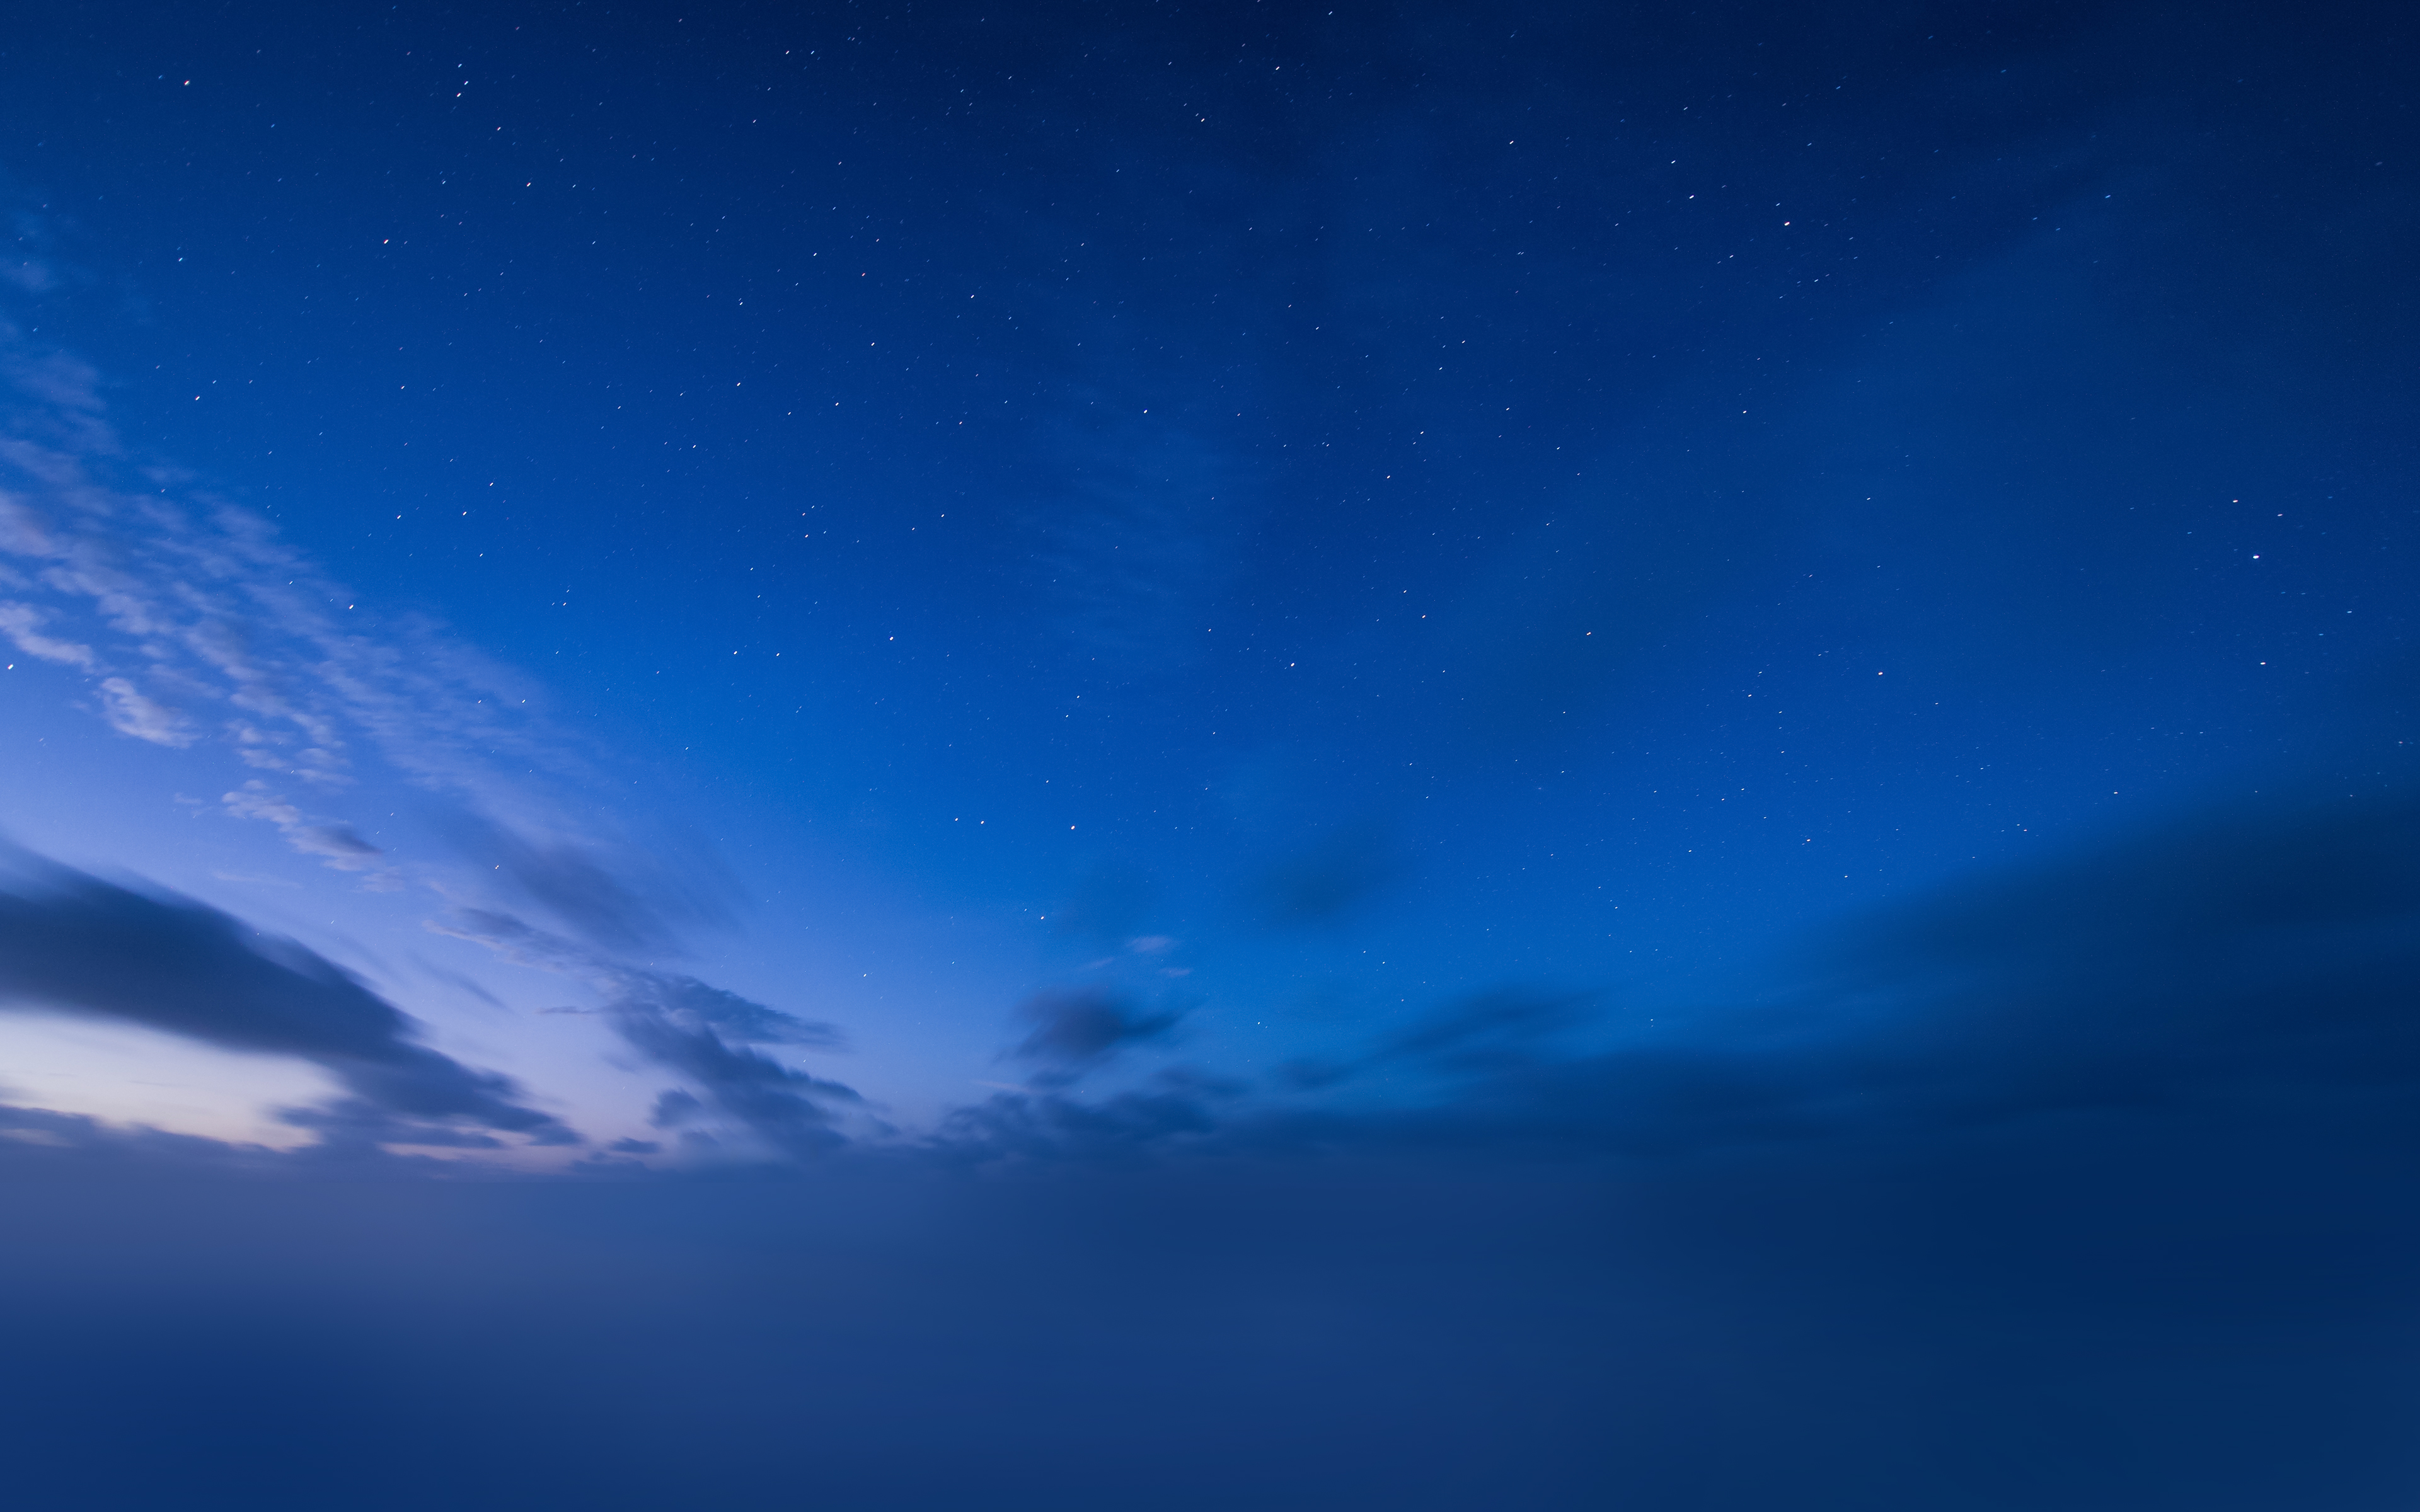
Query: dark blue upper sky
x,y
952,584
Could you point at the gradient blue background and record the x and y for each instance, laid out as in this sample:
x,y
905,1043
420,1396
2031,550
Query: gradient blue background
x,y
1200,757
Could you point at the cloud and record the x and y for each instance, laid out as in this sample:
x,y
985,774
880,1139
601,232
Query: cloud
x,y
131,711
204,606
335,844
1484,1028
702,1032
627,901
2008,1165
349,1126
135,1150
74,944
2250,954
1480,1033
21,623
1052,1126
1080,1028
789,1108
675,1107
66,383
2249,963
191,603
696,1006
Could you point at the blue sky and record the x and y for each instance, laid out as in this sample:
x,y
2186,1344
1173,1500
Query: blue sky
x,y
696,602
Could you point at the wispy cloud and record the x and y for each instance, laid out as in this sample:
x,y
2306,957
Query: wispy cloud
x,y
131,711
699,1032
202,627
335,844
201,630
21,623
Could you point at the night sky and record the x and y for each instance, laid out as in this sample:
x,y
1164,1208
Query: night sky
x,y
1209,756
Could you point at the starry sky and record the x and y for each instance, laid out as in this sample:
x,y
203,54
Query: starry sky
x,y
1209,755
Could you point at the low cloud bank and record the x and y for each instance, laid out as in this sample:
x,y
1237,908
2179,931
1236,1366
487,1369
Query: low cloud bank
x,y
2250,965
2082,1188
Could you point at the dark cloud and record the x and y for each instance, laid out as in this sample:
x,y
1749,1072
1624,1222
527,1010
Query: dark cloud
x,y
696,1006
675,1107
75,943
675,1020
622,900
2251,962
1178,1109
702,1032
352,1124
464,985
1500,1030
1052,1126
1487,1027
42,1136
338,843
1079,1028
2256,956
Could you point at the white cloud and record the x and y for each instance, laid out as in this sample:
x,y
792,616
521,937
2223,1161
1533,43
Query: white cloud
x,y
110,566
219,636
20,623
130,713
335,844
